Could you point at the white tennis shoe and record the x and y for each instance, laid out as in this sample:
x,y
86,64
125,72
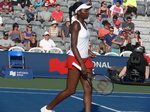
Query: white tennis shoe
x,y
43,109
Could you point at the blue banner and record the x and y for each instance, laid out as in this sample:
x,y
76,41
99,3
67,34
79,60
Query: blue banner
x,y
49,65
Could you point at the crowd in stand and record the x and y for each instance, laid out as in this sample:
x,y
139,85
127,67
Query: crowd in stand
x,y
112,25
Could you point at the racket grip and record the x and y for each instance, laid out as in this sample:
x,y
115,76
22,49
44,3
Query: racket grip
x,y
76,65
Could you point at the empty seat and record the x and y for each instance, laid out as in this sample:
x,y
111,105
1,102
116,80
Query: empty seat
x,y
55,50
141,8
37,49
16,48
111,54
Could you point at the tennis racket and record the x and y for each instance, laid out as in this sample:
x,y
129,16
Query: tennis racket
x,y
100,83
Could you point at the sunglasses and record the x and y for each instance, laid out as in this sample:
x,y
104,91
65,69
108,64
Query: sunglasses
x,y
128,20
16,26
30,27
34,35
111,30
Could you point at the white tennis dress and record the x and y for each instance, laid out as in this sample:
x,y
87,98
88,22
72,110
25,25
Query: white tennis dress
x,y
82,42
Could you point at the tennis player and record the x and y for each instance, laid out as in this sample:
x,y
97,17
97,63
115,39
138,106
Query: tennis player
x,y
79,54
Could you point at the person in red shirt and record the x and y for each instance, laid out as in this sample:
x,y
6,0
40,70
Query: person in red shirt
x,y
6,6
57,14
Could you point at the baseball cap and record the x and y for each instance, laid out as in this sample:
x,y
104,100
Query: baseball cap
x,y
117,23
46,33
83,6
5,33
137,32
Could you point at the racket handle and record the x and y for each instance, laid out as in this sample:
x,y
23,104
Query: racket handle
x,y
76,65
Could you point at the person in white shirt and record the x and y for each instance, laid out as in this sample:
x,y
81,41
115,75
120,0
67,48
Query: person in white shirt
x,y
5,42
116,9
47,43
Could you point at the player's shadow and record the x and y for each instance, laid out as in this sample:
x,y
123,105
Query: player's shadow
x,y
95,108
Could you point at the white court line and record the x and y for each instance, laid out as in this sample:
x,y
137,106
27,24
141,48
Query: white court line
x,y
76,98
97,104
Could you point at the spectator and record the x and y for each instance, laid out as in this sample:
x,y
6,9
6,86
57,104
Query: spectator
x,y
57,14
50,3
101,49
38,3
131,7
47,43
108,38
114,19
65,29
128,26
24,3
127,43
27,34
5,42
45,15
103,31
53,30
6,6
117,9
136,41
88,2
31,15
117,27
33,42
103,10
97,24
117,42
15,33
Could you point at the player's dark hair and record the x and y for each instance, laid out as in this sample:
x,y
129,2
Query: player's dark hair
x,y
73,8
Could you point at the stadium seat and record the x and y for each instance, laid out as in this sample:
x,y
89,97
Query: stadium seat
x,y
8,24
7,17
58,41
148,8
96,53
125,53
63,48
37,49
22,24
36,24
16,48
55,50
17,9
95,43
141,8
111,54
16,59
46,25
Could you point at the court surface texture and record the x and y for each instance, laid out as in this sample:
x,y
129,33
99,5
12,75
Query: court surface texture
x,y
23,95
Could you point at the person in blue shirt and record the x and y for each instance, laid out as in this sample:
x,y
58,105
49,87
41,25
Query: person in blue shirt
x,y
108,38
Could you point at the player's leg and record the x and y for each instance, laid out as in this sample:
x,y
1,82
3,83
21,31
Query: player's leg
x,y
72,81
87,92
